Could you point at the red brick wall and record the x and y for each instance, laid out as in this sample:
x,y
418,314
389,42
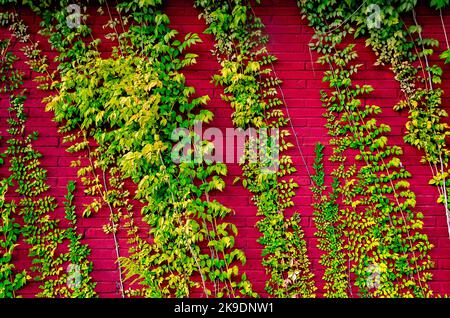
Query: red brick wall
x,y
289,36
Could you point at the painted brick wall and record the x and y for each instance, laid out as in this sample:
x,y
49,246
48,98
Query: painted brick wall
x,y
289,37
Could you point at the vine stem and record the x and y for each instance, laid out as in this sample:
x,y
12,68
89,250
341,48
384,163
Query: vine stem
x,y
347,19
114,225
312,62
120,16
6,185
23,196
423,49
443,28
116,242
114,26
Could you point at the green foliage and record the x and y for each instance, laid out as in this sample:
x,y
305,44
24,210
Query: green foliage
x,y
330,233
406,52
80,267
439,4
41,230
251,91
118,114
382,231
445,56
10,280
130,104
10,78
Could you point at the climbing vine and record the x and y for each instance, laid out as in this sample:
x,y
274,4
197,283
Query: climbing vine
x,y
41,229
11,78
403,48
139,97
124,114
330,231
78,277
11,280
383,231
250,88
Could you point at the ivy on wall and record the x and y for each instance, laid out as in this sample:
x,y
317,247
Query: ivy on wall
x,y
117,113
250,88
330,231
36,207
78,273
41,230
11,280
138,98
382,230
403,48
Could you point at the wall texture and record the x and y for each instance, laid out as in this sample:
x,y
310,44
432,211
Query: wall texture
x,y
289,38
